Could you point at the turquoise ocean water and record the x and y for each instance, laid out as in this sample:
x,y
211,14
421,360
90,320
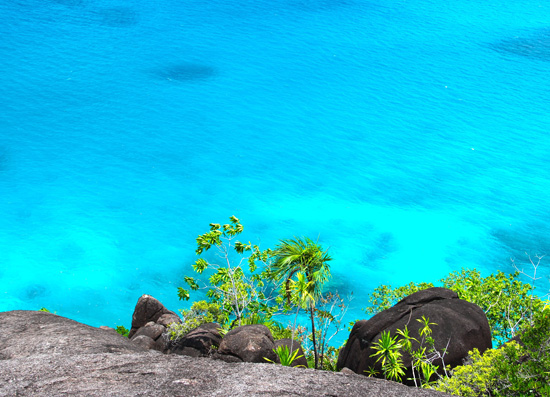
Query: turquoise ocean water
x,y
410,137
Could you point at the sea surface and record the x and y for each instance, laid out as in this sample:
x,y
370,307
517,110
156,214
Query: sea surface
x,y
410,138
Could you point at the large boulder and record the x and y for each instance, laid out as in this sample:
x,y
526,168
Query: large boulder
x,y
149,309
198,342
460,327
43,355
149,323
292,346
248,343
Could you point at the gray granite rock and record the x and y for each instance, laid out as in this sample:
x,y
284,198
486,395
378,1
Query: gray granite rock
x,y
29,333
46,355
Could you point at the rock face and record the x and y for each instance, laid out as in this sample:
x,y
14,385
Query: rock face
x,y
42,354
248,343
460,324
292,346
198,342
29,333
149,323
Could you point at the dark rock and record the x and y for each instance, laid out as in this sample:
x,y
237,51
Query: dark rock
x,y
144,341
292,346
150,319
163,343
151,330
460,324
199,341
147,309
189,351
46,355
227,358
167,319
249,343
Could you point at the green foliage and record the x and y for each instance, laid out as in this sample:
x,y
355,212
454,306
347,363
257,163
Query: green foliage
x,y
304,259
505,299
384,296
512,370
302,265
387,349
288,278
475,379
43,309
122,330
286,357
236,291
310,357
278,331
201,312
391,351
329,359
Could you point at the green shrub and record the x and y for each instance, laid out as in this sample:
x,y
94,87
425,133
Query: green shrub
x,y
506,301
286,357
512,370
122,330
474,379
389,352
201,312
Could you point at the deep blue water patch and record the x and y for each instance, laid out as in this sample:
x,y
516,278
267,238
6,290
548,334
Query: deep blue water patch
x,y
35,293
185,71
118,17
535,45
3,160
70,3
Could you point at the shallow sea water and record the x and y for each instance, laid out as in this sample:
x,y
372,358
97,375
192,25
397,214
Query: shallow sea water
x,y
410,137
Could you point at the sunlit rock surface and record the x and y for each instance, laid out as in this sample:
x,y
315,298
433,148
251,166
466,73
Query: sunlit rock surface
x,y
42,354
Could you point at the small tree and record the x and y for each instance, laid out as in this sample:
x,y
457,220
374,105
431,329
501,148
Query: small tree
x,y
303,266
237,293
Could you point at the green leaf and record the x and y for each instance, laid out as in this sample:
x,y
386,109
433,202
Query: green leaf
x,y
191,283
200,265
183,294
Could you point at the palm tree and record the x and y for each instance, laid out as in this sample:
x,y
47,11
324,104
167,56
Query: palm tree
x,y
301,261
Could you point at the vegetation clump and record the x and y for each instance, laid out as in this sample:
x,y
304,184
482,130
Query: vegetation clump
x,y
201,312
122,330
517,368
246,285
506,300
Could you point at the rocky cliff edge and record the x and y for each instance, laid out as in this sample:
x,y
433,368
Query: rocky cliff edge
x,y
42,354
